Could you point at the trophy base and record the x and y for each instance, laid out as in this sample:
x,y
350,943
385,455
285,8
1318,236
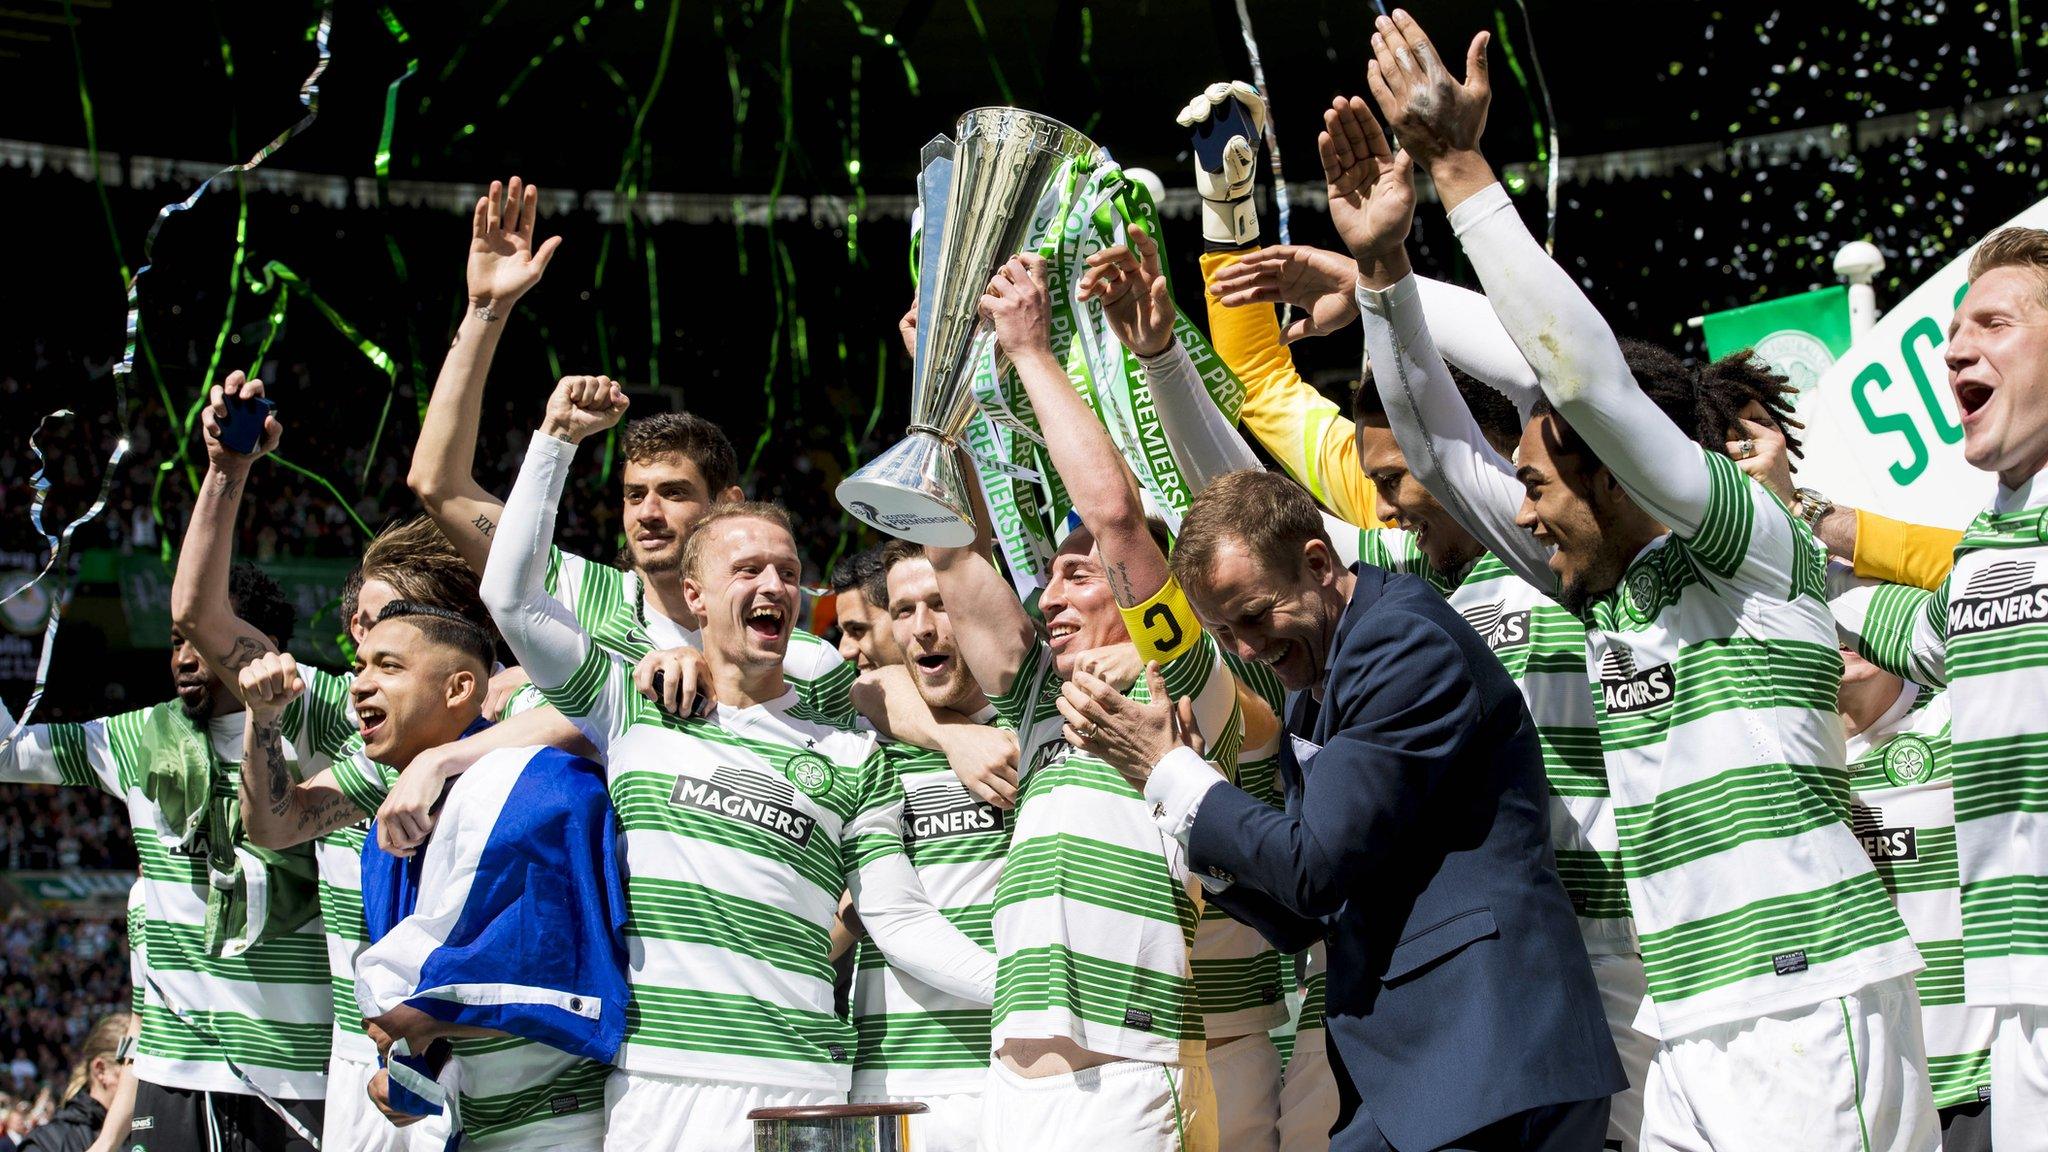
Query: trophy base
x,y
913,491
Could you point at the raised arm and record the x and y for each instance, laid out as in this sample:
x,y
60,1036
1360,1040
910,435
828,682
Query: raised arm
x,y
1204,442
1321,284
278,809
990,627
1577,360
503,266
540,630
200,606
1097,480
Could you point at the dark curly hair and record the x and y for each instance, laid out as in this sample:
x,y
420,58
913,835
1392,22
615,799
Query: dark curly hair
x,y
1498,421
258,600
1705,401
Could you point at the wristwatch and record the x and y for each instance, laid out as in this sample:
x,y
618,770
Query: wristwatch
x,y
1813,508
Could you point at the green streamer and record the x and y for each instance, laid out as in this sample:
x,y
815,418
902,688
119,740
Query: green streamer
x,y
278,277
381,163
994,67
779,270
322,481
888,40
461,50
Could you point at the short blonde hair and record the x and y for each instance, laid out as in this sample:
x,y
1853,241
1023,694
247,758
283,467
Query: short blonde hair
x,y
693,549
2014,248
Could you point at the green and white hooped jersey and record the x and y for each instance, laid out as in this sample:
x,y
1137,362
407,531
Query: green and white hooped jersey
x,y
1984,635
1544,648
268,1009
1241,980
1904,814
1094,922
1718,668
916,1040
739,833
610,604
513,1093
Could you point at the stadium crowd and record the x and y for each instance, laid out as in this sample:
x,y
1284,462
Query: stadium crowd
x,y
1523,762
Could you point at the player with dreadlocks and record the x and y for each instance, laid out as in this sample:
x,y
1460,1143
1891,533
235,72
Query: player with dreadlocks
x,y
1764,927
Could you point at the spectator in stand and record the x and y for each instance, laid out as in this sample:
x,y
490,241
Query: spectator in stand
x,y
75,1126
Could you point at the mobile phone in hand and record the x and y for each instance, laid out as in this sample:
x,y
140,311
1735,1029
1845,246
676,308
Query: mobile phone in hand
x,y
243,429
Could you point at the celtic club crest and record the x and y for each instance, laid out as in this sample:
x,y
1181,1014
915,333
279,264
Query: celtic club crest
x,y
810,772
1642,590
1908,759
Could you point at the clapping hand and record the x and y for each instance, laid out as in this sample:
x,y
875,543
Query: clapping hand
x,y
1371,189
1432,112
1130,736
503,262
1314,280
1135,298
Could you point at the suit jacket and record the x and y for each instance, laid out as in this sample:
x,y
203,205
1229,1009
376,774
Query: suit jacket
x,y
1416,841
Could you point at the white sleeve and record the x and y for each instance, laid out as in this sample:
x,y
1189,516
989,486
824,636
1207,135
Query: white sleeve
x,y
1580,365
73,755
1471,337
1204,442
1443,444
541,631
913,934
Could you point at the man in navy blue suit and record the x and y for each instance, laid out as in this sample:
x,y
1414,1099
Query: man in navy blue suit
x,y
1462,1012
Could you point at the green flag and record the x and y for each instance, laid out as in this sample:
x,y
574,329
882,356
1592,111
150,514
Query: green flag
x,y
1799,335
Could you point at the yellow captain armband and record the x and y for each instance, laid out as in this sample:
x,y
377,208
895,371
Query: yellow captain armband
x,y
1164,627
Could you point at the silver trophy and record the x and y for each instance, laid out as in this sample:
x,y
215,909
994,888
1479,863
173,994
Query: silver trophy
x,y
978,198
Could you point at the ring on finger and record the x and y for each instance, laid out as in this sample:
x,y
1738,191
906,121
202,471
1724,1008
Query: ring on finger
x,y
1744,449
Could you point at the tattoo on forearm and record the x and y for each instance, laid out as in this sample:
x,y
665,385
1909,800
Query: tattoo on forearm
x,y
270,742
243,652
326,814
1120,584
486,315
225,484
484,525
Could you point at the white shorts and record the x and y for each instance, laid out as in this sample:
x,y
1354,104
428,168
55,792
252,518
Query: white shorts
x,y
2019,1078
1128,1106
1622,989
1246,1073
950,1123
351,1122
1846,1075
1308,1096
648,1113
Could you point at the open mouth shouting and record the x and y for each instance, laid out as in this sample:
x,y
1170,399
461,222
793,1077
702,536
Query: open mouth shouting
x,y
766,622
370,721
1971,398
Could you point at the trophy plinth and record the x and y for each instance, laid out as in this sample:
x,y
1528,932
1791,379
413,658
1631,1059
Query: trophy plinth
x,y
913,491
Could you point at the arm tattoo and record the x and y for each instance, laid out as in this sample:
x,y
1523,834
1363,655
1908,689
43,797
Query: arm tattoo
x,y
243,652
325,814
270,740
484,525
226,484
1120,584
